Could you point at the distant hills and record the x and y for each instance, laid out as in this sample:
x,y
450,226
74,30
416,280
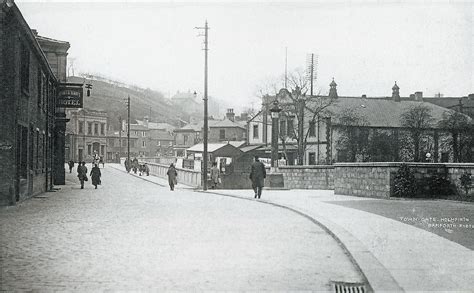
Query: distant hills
x,y
110,96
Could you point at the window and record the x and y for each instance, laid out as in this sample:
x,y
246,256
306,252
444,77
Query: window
x,y
89,127
312,129
283,128
185,139
89,149
255,131
222,134
102,150
143,133
312,159
25,68
290,127
43,163
38,152
136,133
96,128
124,142
143,143
111,142
102,128
132,143
40,89
81,127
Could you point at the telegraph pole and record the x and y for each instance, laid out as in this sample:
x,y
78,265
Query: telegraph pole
x,y
128,129
205,132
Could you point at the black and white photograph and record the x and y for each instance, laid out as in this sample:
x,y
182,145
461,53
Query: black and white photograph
x,y
236,145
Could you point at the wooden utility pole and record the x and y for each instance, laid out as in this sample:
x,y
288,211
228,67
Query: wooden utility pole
x,y
128,129
205,132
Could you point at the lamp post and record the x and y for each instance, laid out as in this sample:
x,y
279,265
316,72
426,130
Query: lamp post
x,y
275,113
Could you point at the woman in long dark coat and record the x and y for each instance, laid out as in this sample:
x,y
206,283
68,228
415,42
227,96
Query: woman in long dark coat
x,y
95,175
172,176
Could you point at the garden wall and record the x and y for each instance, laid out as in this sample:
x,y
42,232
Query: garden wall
x,y
308,177
365,179
375,179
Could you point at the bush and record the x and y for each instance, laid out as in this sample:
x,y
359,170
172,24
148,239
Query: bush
x,y
404,183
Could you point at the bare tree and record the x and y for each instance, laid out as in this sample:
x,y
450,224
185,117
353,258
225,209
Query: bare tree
x,y
417,119
295,103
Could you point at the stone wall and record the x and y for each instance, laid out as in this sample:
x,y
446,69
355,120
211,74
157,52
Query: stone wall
x,y
185,176
363,179
308,177
374,179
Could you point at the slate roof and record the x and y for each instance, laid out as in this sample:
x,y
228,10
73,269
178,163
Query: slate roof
x,y
211,147
226,123
156,125
382,112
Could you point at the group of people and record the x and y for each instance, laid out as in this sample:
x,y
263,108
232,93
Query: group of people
x,y
82,174
135,166
257,174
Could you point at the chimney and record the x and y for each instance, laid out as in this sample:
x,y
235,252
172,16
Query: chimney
x,y
230,115
35,32
145,121
419,96
364,96
471,97
412,96
396,92
244,116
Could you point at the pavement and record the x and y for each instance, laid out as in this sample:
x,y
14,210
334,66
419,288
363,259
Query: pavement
x,y
398,245
134,234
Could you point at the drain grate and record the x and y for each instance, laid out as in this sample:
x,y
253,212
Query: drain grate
x,y
343,287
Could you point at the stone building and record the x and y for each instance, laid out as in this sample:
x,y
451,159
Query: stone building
x,y
353,129
86,135
32,129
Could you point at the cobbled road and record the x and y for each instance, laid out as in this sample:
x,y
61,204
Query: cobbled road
x,y
134,235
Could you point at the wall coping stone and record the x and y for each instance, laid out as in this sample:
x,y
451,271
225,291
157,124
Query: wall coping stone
x,y
297,167
411,164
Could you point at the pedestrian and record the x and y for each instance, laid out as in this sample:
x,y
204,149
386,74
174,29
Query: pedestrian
x,y
135,165
82,173
101,161
257,175
71,165
147,170
95,175
127,165
172,176
215,175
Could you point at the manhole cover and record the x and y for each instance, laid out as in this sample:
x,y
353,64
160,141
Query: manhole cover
x,y
344,287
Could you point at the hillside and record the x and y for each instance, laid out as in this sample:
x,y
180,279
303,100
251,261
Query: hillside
x,y
111,97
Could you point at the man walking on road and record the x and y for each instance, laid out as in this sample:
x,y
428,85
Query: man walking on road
x,y
172,176
257,175
82,173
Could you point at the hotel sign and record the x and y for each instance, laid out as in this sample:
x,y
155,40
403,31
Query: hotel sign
x,y
70,96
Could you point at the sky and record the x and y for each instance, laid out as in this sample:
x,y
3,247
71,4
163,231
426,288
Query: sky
x,y
365,45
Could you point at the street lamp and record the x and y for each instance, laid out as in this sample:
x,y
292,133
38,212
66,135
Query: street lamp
x,y
275,114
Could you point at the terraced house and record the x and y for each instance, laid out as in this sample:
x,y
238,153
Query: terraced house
x,y
32,128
